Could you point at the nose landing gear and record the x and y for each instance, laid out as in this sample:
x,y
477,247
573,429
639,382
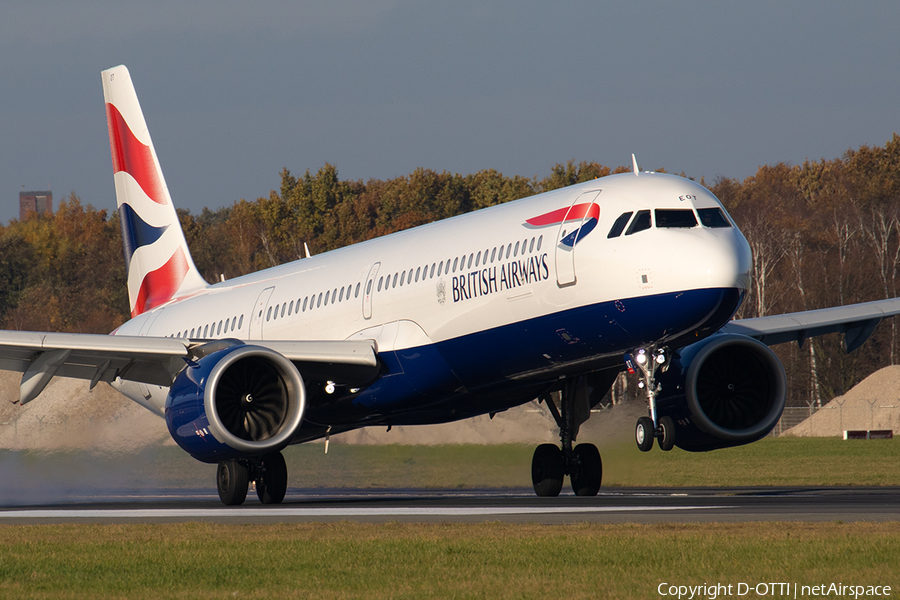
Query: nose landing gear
x,y
581,463
646,362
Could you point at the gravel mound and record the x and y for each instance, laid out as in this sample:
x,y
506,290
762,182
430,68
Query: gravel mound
x,y
874,403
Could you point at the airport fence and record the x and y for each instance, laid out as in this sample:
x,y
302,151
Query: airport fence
x,y
837,416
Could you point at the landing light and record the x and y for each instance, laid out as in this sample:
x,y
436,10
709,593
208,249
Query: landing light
x,y
329,387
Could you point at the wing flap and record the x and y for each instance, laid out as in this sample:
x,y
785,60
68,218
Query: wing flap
x,y
157,361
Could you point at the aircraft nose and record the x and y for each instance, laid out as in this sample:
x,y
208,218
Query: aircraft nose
x,y
723,260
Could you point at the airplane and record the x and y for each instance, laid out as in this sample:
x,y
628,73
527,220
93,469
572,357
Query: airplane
x,y
548,297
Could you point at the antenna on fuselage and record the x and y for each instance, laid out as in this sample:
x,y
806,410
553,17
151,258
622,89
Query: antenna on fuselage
x,y
634,164
305,247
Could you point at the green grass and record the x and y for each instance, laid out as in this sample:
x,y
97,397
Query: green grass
x,y
433,561
770,462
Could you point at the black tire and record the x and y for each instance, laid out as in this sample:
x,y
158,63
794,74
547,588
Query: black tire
x,y
232,480
666,433
588,471
272,486
547,470
643,434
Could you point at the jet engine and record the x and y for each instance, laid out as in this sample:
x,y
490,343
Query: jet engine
x,y
725,391
237,401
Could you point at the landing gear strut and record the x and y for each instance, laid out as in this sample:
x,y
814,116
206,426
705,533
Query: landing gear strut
x,y
582,463
646,362
233,478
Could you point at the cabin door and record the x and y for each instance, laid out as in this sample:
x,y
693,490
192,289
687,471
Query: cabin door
x,y
575,217
369,290
258,316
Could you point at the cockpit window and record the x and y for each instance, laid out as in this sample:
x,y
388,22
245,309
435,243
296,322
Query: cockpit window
x,y
640,223
713,217
619,226
675,218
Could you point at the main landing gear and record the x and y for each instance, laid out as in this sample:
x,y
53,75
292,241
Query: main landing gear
x,y
646,362
581,463
233,477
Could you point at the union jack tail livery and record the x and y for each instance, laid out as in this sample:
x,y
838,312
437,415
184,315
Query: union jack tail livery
x,y
159,263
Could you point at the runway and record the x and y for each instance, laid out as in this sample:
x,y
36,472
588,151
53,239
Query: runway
x,y
612,505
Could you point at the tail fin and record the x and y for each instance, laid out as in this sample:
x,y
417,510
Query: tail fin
x,y
159,263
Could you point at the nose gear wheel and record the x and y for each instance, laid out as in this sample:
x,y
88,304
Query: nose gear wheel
x,y
646,362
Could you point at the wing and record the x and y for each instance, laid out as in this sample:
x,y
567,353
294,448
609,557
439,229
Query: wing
x,y
855,321
157,361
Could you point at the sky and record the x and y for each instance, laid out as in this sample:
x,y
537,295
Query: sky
x,y
234,92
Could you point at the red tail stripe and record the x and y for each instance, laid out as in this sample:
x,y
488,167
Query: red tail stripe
x,y
160,285
577,212
132,156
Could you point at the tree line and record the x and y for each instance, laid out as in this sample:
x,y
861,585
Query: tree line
x,y
823,234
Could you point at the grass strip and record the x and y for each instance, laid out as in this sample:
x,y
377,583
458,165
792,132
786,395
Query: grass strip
x,y
770,462
492,560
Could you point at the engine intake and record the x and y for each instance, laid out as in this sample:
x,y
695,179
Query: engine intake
x,y
238,401
729,390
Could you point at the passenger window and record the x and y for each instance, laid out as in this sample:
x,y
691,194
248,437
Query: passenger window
x,y
380,280
508,250
471,258
241,322
402,278
283,308
227,321
640,222
500,256
326,298
305,300
356,294
455,262
341,298
713,217
675,218
619,226
540,239
206,331
219,330
269,314
395,280
418,272
531,247
516,251
192,331
493,254
319,301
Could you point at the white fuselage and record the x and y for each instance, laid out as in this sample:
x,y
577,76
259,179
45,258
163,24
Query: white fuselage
x,y
448,281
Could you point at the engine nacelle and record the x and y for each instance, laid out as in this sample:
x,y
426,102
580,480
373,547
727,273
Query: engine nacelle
x,y
725,391
238,401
